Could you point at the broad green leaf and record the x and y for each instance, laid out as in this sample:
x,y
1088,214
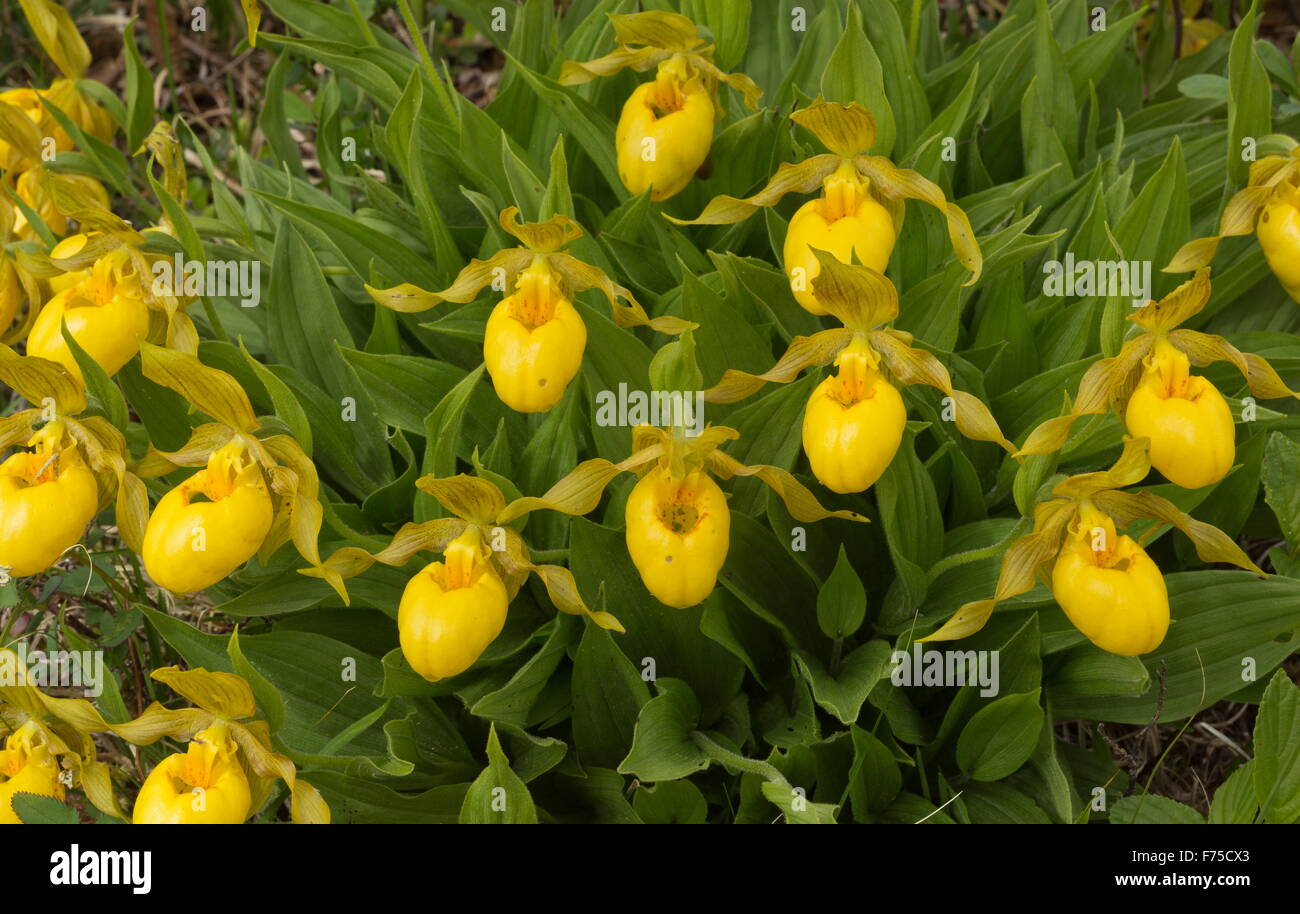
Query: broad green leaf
x,y
498,796
662,748
1277,751
608,694
1000,737
842,600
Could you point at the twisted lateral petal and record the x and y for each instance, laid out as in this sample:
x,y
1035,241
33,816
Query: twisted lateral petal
x,y
903,183
579,276
203,441
804,351
802,178
575,73
1239,216
916,366
1101,383
1133,465
1204,348
1212,544
1018,574
411,299
350,561
801,503
563,591
580,491
739,81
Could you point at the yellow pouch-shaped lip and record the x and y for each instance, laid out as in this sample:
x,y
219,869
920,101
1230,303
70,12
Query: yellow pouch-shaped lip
x,y
678,533
1109,588
665,131
205,785
1278,230
1193,439
853,423
105,313
533,343
845,221
47,497
451,611
189,544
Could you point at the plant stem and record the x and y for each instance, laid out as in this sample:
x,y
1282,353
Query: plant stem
x,y
726,757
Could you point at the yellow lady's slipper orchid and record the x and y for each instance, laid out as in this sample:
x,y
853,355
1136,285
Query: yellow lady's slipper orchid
x,y
190,544
665,131
677,534
1149,383
1107,585
855,419
1278,231
1186,418
30,191
26,766
862,204
63,94
205,785
1109,588
854,422
227,771
845,220
47,497
1269,206
452,610
533,342
105,313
